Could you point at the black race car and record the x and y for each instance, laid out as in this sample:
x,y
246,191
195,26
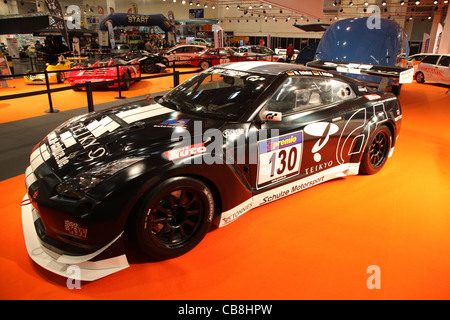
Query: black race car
x,y
229,139
150,62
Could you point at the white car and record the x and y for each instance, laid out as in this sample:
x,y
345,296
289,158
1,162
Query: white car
x,y
282,52
259,53
182,54
434,68
201,41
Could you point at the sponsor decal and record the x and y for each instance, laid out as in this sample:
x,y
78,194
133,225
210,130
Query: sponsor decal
x,y
58,150
362,89
236,214
172,123
279,158
372,97
309,73
228,133
73,229
323,130
88,140
184,152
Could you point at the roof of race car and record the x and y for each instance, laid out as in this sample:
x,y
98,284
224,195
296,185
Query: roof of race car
x,y
273,68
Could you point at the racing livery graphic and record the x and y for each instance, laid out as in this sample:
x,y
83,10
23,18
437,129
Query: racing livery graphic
x,y
231,138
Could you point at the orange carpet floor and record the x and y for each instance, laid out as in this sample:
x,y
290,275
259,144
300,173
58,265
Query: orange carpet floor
x,y
316,244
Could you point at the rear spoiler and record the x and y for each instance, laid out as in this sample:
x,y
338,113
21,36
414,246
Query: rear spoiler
x,y
403,74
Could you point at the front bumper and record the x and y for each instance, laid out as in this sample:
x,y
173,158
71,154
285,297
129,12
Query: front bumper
x,y
93,266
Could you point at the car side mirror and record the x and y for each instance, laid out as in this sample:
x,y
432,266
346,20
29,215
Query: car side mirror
x,y
272,115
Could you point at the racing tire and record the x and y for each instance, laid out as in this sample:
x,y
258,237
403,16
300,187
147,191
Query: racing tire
x,y
204,64
420,78
174,217
396,90
61,77
126,85
377,151
150,67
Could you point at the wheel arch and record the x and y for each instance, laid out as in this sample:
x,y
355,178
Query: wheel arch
x,y
368,131
144,191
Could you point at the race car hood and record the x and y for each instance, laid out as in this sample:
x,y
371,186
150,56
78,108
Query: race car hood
x,y
128,131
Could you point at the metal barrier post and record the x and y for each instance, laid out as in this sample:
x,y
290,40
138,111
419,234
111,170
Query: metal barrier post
x,y
176,78
51,110
90,100
118,84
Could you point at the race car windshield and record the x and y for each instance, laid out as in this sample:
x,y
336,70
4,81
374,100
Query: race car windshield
x,y
218,93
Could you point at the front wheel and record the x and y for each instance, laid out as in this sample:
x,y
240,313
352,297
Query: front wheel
x,y
420,78
174,217
377,151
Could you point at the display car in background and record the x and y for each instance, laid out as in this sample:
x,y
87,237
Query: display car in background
x,y
56,72
120,48
214,56
415,59
106,70
282,53
434,68
201,41
259,53
182,54
227,140
149,62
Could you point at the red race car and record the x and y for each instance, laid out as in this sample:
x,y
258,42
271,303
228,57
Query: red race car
x,y
127,70
214,56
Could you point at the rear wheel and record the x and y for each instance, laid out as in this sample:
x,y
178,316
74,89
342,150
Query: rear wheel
x,y
174,217
61,77
204,64
377,151
150,67
420,78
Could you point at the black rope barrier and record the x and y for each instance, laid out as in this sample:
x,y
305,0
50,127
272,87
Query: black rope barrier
x,y
88,84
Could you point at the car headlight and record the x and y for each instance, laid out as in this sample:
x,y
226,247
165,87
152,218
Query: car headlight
x,y
80,184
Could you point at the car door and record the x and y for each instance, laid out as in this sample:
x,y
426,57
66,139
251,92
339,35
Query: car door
x,y
309,137
428,67
443,69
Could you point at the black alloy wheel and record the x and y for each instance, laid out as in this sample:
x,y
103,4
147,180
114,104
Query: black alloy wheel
x,y
377,151
150,67
174,218
420,78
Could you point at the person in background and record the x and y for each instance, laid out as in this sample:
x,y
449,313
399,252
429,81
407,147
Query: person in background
x,y
148,46
289,53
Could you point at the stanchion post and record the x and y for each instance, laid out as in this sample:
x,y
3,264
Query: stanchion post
x,y
176,78
90,100
118,84
51,110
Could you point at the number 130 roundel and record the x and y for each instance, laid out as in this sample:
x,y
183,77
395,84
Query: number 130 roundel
x,y
227,140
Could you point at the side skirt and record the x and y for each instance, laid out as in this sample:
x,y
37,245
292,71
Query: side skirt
x,y
271,195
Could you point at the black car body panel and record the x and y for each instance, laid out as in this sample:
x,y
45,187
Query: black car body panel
x,y
87,176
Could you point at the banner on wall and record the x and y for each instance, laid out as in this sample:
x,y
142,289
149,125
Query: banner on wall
x,y
57,18
425,43
437,41
218,36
